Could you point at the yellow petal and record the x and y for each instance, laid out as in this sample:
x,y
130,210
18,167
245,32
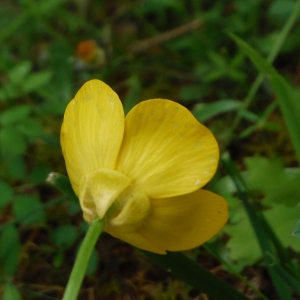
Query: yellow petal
x,y
165,150
92,130
134,238
179,223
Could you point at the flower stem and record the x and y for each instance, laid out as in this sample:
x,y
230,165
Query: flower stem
x,y
82,259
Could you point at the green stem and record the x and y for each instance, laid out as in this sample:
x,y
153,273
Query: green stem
x,y
259,79
82,259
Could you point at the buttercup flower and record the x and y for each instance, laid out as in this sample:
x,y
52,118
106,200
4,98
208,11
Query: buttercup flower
x,y
145,173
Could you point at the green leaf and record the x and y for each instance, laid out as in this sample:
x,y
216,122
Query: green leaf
x,y
277,184
242,245
9,91
36,80
17,168
280,188
73,207
18,73
6,193
9,250
14,114
39,174
11,292
190,93
64,236
204,112
31,128
29,209
288,102
281,9
12,142
283,219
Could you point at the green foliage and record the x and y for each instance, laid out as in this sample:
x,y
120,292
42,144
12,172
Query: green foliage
x,y
11,292
280,194
204,112
282,187
21,81
9,251
29,209
286,96
64,236
6,193
201,68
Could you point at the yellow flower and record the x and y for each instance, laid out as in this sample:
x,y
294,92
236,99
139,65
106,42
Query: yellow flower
x,y
144,173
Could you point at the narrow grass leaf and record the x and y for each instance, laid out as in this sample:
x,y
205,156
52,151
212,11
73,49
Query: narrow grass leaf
x,y
288,103
205,112
189,271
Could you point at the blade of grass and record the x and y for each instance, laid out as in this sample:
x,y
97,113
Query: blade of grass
x,y
259,79
292,281
190,272
17,23
289,105
228,266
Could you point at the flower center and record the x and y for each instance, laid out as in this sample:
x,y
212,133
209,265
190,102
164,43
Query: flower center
x,y
106,192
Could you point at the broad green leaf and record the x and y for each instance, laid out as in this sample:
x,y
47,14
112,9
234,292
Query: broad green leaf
x,y
242,245
31,128
36,80
281,9
29,209
39,174
19,72
9,91
11,292
288,102
73,207
9,250
17,167
283,219
280,189
14,114
204,112
277,184
6,193
11,141
64,236
190,93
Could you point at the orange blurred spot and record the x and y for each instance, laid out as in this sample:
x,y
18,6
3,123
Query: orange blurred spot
x,y
87,50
